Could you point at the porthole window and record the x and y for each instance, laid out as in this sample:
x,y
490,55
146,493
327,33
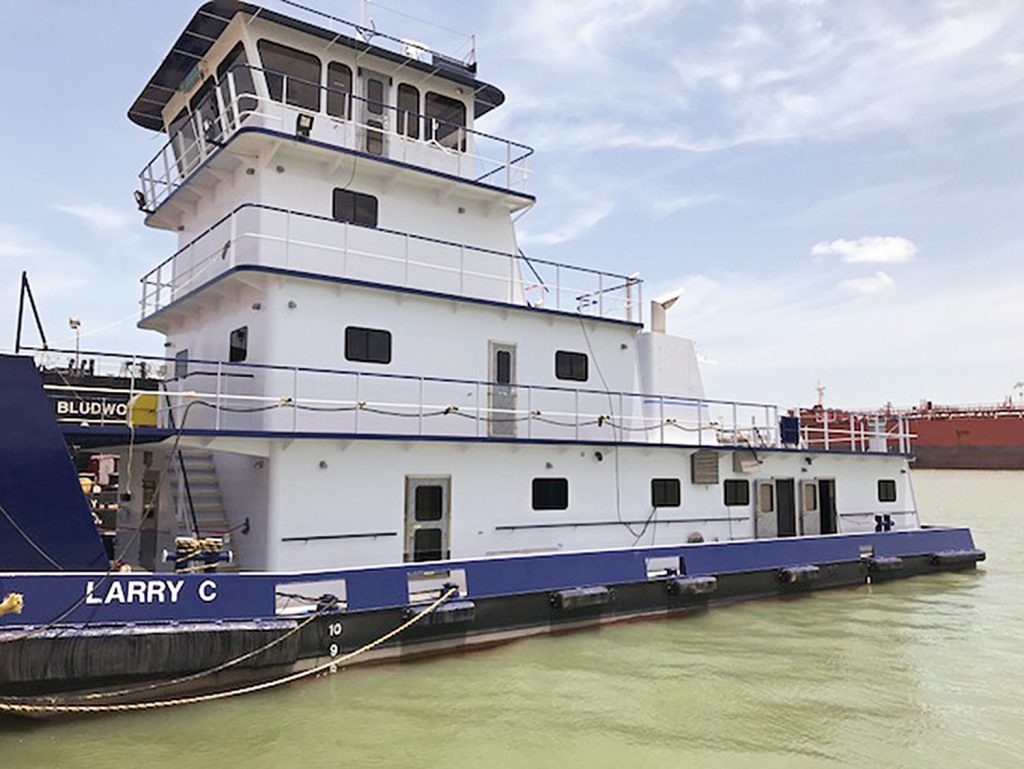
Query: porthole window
x,y
367,345
354,207
238,346
887,490
571,365
550,493
737,492
665,492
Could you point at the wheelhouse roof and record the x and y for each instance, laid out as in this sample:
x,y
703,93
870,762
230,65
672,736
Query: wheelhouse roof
x,y
212,19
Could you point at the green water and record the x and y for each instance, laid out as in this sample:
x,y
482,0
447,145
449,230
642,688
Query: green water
x,y
917,673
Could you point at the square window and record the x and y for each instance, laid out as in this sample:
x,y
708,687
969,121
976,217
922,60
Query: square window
x,y
238,347
737,492
665,492
550,493
887,490
368,345
571,365
426,545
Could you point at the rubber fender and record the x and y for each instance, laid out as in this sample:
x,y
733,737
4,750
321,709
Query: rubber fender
x,y
580,598
957,557
793,574
453,613
882,563
692,586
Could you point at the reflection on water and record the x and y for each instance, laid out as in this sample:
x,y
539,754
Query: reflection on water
x,y
917,673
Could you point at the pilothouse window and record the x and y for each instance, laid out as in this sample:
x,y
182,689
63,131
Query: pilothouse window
x,y
292,75
234,75
408,111
446,121
339,90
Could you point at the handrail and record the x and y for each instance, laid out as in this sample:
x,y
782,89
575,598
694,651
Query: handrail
x,y
223,111
588,292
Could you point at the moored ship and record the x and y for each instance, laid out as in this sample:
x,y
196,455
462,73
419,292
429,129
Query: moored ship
x,y
379,430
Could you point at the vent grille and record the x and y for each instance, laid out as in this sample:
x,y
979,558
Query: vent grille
x,y
704,467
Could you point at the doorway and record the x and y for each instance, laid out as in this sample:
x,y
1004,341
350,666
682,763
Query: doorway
x,y
501,399
785,507
427,517
827,505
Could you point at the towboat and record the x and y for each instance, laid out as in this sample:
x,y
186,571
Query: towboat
x,y
379,430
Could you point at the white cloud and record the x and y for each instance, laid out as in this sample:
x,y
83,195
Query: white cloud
x,y
872,284
884,249
99,217
18,243
662,207
572,228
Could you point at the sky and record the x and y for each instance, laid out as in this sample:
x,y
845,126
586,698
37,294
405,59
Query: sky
x,y
836,185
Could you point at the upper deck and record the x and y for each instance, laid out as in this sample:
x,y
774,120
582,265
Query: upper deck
x,y
238,68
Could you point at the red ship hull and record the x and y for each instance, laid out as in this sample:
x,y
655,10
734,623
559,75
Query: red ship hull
x,y
982,440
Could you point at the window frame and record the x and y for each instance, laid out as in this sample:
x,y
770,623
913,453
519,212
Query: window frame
x,y
407,120
353,341
729,498
243,332
339,100
570,371
887,483
454,122
345,207
298,87
674,488
543,491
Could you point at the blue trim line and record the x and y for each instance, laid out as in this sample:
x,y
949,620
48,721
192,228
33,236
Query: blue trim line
x,y
342,150
381,287
156,433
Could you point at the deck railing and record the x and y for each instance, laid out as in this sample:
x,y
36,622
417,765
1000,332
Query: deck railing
x,y
340,119
218,397
276,237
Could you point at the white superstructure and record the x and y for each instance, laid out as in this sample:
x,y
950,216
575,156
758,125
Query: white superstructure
x,y
364,367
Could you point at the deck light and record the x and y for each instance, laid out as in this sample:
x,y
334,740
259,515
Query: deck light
x,y
303,125
140,200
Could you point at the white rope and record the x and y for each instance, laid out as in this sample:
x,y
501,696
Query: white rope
x,y
28,709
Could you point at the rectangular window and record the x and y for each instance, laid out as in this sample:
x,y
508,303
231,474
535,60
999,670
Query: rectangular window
x,y
207,111
737,492
368,345
571,365
765,497
503,367
887,491
292,75
427,545
810,496
375,96
238,347
354,207
550,493
428,503
665,492
408,111
446,121
339,90
181,364
234,70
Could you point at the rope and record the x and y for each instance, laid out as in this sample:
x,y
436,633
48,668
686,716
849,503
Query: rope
x,y
7,706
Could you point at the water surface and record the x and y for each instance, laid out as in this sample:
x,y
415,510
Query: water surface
x,y
927,672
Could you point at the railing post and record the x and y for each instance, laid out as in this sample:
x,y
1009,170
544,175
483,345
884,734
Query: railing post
x,y
355,425
558,286
295,399
420,419
508,165
287,238
220,380
700,423
576,417
622,417
462,270
511,280
825,436
406,260
344,249
769,427
661,416
735,424
853,434
529,412
477,398
600,294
